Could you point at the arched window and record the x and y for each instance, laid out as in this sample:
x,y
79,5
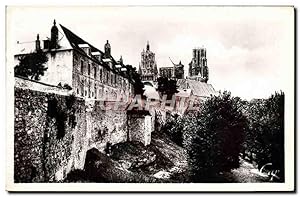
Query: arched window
x,y
89,69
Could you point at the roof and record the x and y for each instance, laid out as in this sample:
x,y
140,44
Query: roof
x,y
184,93
198,88
76,42
29,47
68,40
150,92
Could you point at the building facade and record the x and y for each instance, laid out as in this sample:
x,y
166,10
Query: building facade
x,y
147,66
167,72
198,69
91,73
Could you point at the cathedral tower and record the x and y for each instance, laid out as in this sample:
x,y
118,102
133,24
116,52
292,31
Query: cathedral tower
x,y
198,69
148,67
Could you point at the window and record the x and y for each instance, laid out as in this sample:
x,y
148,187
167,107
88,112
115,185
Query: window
x,y
115,78
81,68
82,88
100,74
95,72
89,69
107,77
95,92
89,90
112,79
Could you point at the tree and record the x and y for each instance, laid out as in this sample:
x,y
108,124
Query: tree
x,y
265,136
166,86
216,136
32,65
134,76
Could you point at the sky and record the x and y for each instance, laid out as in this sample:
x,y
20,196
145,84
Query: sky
x,y
249,49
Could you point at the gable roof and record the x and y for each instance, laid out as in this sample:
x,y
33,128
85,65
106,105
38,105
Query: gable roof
x,y
198,88
75,41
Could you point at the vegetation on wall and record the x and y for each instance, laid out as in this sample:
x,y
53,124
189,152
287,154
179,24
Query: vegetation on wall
x,y
62,114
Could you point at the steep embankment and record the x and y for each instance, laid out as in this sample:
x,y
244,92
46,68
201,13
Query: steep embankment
x,y
161,161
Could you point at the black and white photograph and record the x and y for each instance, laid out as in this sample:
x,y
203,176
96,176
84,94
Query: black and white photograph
x,y
183,98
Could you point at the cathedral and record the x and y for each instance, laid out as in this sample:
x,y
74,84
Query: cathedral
x,y
147,66
198,69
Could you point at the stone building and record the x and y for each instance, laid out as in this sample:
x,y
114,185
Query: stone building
x,y
147,66
72,61
166,72
198,69
176,71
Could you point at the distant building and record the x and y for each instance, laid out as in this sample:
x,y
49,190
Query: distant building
x,y
198,69
166,72
148,67
71,60
174,72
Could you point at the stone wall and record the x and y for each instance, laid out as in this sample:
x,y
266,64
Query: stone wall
x,y
140,127
49,130
53,133
108,126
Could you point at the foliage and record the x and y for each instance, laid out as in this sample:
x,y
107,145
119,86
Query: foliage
x,y
166,86
136,79
32,65
213,136
217,136
173,128
265,136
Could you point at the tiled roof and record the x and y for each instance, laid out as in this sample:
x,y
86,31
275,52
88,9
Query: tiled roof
x,y
198,88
